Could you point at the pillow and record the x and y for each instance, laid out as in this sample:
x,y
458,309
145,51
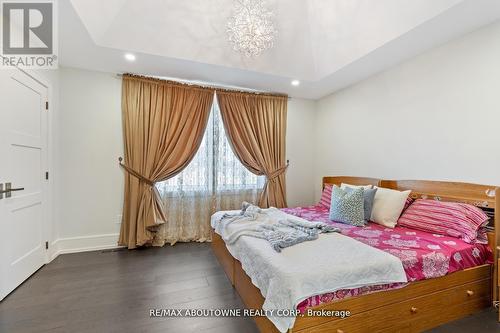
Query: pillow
x,y
344,186
387,206
326,197
408,202
347,207
453,219
368,196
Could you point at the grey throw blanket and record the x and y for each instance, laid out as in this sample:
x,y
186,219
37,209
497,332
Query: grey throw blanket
x,y
278,228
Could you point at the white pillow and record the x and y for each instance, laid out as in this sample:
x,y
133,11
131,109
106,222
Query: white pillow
x,y
344,185
387,206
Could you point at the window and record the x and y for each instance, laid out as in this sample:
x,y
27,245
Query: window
x,y
214,168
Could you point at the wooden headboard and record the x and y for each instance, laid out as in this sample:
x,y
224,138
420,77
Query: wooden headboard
x,y
482,196
350,180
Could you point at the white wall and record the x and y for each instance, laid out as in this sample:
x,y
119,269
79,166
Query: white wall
x,y
299,150
90,183
434,117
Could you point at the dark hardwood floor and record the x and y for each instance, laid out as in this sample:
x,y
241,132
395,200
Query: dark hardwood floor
x,y
113,291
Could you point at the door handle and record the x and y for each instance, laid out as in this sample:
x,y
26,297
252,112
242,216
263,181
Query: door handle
x,y
8,190
12,190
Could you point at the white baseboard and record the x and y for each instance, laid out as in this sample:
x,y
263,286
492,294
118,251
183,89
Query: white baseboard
x,y
83,244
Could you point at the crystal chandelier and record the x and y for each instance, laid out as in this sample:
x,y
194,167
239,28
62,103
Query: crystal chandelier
x,y
250,29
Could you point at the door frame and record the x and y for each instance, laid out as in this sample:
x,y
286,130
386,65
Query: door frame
x,y
48,230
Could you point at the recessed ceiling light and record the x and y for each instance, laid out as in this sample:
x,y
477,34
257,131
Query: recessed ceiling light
x,y
130,56
295,82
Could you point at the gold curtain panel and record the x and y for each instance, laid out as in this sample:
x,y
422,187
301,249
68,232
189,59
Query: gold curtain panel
x,y
163,126
256,127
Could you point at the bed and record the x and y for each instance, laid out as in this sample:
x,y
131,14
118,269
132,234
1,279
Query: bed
x,y
436,292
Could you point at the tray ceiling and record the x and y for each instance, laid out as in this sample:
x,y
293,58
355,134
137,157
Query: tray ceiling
x,y
318,41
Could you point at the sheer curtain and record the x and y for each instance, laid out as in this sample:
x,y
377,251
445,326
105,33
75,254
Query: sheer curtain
x,y
214,180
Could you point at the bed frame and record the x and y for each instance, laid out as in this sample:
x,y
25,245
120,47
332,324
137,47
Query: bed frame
x,y
420,305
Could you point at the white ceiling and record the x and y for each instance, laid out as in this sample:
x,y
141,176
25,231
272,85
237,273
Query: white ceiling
x,y
327,44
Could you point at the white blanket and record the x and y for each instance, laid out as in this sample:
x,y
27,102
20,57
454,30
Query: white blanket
x,y
280,230
330,263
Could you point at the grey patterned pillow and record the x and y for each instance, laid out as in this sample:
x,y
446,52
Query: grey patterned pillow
x,y
347,207
368,197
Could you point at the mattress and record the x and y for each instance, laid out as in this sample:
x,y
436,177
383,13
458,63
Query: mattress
x,y
288,277
424,255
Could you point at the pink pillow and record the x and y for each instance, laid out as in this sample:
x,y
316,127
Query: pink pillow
x,y
453,219
408,202
326,197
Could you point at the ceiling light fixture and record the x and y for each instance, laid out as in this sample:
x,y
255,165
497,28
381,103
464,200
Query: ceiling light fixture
x,y
130,56
250,28
295,82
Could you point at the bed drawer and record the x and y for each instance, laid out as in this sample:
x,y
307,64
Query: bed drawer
x,y
458,302
416,314
363,304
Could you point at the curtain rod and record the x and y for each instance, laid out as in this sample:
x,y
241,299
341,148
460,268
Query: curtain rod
x,y
208,85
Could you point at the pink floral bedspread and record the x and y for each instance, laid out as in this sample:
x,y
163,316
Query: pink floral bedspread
x,y
424,255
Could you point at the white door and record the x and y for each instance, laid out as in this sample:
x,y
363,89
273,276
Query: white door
x,y
23,161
